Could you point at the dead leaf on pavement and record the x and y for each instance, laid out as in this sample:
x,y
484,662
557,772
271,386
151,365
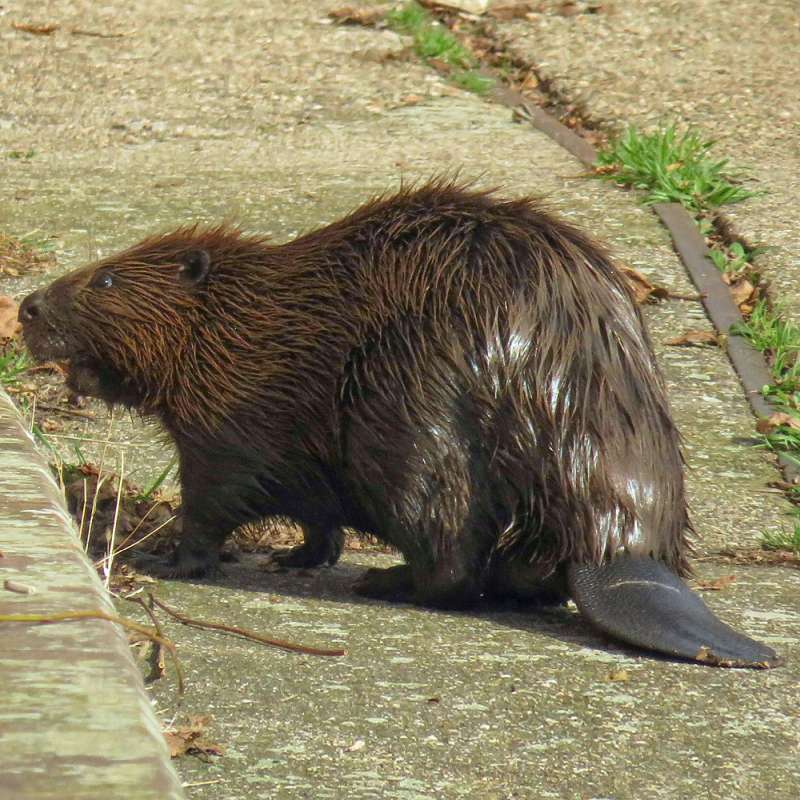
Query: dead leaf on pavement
x,y
9,326
777,420
695,339
349,15
568,9
715,585
743,293
509,11
643,290
188,740
37,30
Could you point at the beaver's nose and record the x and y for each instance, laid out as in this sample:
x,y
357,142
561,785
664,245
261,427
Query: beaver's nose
x,y
31,307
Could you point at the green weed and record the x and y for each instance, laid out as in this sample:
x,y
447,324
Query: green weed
x,y
473,81
779,340
671,167
13,362
79,454
408,18
21,155
433,41
733,258
783,540
150,491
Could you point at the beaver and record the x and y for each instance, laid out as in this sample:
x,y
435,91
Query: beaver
x,y
463,376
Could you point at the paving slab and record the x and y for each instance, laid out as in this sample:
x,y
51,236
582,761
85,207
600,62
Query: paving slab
x,y
262,112
729,69
490,705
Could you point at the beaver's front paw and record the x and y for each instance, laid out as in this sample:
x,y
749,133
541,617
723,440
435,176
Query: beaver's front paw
x,y
178,565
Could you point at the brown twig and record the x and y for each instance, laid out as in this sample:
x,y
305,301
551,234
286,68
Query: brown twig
x,y
156,659
74,616
72,412
100,34
244,633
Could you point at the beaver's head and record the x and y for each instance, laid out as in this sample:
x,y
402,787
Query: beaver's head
x,y
124,324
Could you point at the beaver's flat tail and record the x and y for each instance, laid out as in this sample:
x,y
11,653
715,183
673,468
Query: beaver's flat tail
x,y
642,602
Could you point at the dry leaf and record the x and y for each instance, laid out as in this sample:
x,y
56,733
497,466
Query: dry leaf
x,y
347,15
510,11
619,676
188,739
715,585
606,169
9,326
440,65
643,290
694,338
50,425
742,292
37,30
776,420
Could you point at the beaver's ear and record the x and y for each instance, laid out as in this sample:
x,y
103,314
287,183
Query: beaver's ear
x,y
194,267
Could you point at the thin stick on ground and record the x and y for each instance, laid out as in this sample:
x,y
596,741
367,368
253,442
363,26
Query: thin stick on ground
x,y
70,412
244,633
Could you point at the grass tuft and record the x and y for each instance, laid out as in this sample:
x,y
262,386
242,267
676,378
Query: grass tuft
x,y
671,167
733,258
779,340
432,41
13,362
783,540
473,81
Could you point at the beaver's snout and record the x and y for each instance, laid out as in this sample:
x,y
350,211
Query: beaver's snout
x,y
31,307
44,339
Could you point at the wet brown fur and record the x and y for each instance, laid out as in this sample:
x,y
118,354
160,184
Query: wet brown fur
x,y
465,377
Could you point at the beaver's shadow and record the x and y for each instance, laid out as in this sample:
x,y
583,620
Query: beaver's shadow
x,y
335,584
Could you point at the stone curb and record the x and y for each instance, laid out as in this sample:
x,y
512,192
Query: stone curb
x,y
724,314
75,721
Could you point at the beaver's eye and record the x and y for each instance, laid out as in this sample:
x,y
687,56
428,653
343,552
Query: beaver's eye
x,y
103,281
